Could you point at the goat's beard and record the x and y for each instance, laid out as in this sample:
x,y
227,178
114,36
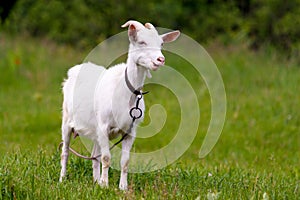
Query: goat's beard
x,y
148,74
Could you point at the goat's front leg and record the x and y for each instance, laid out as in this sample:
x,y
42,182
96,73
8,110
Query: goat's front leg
x,y
126,147
103,142
96,163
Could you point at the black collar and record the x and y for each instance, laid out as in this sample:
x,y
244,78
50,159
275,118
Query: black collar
x,y
137,91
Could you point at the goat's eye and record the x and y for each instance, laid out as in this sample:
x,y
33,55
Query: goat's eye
x,y
142,43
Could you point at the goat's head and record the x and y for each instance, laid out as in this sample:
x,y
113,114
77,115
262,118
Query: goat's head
x,y
146,44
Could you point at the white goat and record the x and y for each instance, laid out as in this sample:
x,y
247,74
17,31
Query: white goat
x,y
112,119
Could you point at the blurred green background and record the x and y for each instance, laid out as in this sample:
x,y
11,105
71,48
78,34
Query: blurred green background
x,y
85,23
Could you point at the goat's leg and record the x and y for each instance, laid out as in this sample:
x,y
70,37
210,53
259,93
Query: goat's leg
x,y
96,163
126,146
66,136
103,142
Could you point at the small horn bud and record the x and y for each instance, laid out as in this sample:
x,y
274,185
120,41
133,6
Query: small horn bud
x,y
149,26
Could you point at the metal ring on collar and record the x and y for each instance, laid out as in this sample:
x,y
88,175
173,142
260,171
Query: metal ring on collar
x,y
135,113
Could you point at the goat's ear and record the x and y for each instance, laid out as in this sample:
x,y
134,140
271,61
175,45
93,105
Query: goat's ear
x,y
133,28
132,32
170,37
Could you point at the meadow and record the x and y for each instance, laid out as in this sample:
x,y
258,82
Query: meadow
x,y
256,157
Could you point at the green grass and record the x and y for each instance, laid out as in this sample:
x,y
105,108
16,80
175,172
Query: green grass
x,y
25,175
257,155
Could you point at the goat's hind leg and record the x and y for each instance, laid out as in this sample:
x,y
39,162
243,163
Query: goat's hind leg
x,y
103,143
96,163
66,136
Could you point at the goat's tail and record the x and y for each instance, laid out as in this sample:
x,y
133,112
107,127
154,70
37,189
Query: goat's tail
x,y
74,71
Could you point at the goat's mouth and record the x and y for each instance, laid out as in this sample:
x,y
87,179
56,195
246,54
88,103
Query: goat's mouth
x,y
155,66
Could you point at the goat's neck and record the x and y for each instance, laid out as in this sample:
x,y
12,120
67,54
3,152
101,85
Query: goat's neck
x,y
136,74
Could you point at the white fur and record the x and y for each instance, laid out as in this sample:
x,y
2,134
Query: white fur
x,y
109,116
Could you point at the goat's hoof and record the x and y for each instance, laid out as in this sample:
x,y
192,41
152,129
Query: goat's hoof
x,y
103,183
96,180
61,179
123,187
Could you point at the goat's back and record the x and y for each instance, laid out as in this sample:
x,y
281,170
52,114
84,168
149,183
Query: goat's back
x,y
78,91
90,96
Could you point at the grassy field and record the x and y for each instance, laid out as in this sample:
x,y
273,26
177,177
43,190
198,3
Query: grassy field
x,y
257,156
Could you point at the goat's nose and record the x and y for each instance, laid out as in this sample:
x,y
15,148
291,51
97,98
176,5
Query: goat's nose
x,y
161,59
